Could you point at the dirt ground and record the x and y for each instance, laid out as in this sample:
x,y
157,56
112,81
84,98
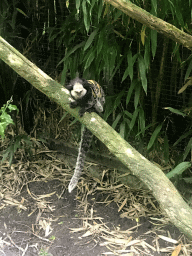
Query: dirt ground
x,y
46,227
39,217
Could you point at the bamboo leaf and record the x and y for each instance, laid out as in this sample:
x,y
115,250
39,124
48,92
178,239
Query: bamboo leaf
x,y
122,129
118,99
147,53
126,73
154,7
137,95
100,9
175,111
178,14
22,12
154,136
77,2
179,169
89,59
112,59
118,13
100,41
153,42
135,114
166,149
131,88
142,120
188,70
90,39
71,52
116,120
108,107
184,87
143,34
185,135
188,180
187,149
85,15
142,70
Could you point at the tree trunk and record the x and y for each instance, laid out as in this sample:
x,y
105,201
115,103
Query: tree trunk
x,y
163,190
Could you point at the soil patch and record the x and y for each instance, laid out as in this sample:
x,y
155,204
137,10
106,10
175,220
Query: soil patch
x,y
50,223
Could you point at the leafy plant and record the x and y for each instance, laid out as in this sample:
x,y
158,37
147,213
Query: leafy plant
x,y
179,169
17,142
5,117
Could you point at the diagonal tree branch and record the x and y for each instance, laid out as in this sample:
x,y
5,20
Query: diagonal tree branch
x,y
153,22
163,190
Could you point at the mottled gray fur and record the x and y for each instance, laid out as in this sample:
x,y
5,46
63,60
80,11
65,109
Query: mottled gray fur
x,y
86,138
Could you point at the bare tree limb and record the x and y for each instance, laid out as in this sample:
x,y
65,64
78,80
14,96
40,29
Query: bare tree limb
x,y
163,190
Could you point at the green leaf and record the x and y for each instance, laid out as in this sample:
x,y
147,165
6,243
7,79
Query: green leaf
x,y
154,137
142,120
71,52
116,120
175,111
135,114
137,96
12,107
2,131
188,70
100,9
129,69
85,15
185,135
90,39
179,15
154,7
147,53
153,42
122,129
112,60
179,169
188,180
100,41
142,70
128,114
22,12
89,59
78,2
166,149
131,88
109,108
118,99
187,149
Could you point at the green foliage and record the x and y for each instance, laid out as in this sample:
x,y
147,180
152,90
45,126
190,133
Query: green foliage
x,y
5,117
179,169
17,142
43,252
124,56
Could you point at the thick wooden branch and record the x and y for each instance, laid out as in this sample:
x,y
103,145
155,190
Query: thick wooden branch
x,y
163,190
153,22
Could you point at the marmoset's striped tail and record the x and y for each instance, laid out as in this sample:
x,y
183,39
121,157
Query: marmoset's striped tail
x,y
83,149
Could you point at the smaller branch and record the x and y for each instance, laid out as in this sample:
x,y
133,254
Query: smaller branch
x,y
153,22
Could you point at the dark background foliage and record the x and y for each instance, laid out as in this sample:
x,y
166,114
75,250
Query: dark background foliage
x,y
141,71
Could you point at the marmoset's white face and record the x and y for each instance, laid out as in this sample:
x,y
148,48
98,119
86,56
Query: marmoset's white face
x,y
78,91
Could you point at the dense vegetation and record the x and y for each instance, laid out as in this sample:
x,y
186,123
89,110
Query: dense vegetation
x,y
141,71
